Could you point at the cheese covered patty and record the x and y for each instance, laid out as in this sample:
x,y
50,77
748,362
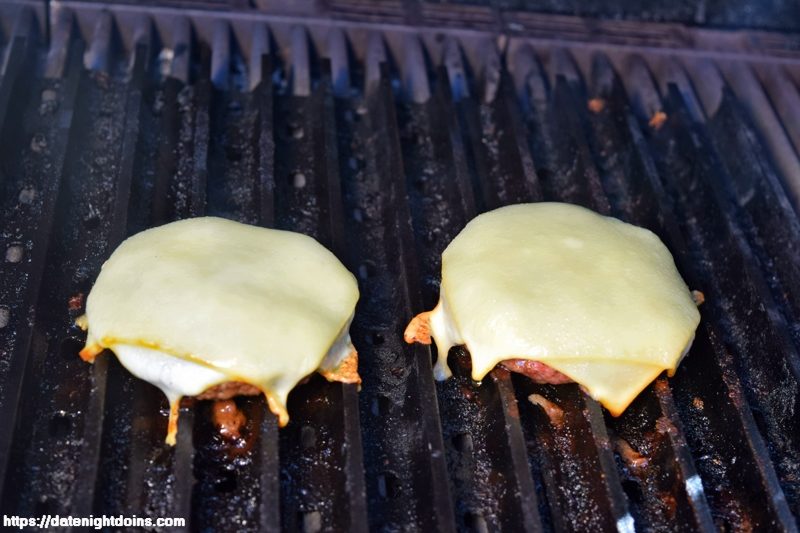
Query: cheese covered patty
x,y
593,298
201,302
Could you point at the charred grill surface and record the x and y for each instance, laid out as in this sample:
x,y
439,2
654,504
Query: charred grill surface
x,y
382,141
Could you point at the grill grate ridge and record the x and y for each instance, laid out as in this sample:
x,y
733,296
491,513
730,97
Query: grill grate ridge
x,y
268,121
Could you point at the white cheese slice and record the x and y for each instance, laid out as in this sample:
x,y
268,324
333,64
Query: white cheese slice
x,y
615,384
203,301
593,297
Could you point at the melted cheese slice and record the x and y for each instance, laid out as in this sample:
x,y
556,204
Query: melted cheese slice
x,y
203,301
597,299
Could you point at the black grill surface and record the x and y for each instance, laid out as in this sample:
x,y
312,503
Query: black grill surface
x,y
381,132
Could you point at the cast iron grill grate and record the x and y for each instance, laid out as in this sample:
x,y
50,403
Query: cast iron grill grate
x,y
382,140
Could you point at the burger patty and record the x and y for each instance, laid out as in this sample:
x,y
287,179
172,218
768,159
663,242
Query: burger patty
x,y
538,372
346,372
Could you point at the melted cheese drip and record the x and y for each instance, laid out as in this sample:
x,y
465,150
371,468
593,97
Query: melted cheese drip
x,y
178,377
202,301
597,299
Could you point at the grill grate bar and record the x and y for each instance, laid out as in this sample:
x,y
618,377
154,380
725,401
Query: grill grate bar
x,y
160,479
97,193
167,152
750,92
17,55
182,467
743,296
86,480
323,414
398,402
648,423
327,158
269,468
785,99
716,444
480,420
701,518
566,173
758,201
16,303
327,166
173,468
28,214
201,129
578,182
268,452
503,174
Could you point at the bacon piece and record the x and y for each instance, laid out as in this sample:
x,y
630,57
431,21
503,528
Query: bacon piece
x,y
75,302
90,352
228,419
419,329
346,372
172,425
553,412
657,120
632,458
698,297
596,105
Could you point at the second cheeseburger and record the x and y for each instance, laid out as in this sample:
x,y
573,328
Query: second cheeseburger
x,y
560,293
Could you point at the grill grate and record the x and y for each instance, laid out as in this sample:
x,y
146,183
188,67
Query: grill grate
x,y
382,141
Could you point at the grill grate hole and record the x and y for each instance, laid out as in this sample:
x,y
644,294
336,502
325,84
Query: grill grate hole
x,y
312,521
376,338
294,131
355,163
60,425
366,270
387,485
226,482
92,222
476,522
380,405
463,442
14,253
27,195
70,347
45,505
308,437
298,180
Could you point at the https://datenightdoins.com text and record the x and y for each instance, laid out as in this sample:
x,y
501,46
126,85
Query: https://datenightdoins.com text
x,y
47,521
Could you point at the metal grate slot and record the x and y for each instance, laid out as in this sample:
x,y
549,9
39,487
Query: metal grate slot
x,y
382,134
441,203
756,198
655,478
695,395
27,218
740,290
92,199
398,403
